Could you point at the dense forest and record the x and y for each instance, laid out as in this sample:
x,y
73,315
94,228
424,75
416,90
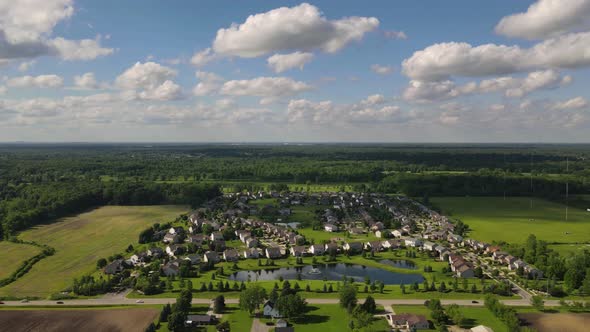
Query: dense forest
x,y
40,182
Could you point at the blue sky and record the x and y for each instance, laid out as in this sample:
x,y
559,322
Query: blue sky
x,y
384,71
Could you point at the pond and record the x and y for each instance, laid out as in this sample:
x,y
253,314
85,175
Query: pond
x,y
401,263
334,272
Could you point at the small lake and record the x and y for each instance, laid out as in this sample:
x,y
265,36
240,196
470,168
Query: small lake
x,y
333,272
401,263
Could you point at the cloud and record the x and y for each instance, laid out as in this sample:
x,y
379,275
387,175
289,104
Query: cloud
x,y
328,113
381,70
302,27
41,81
203,57
275,87
392,34
26,65
425,91
150,81
25,27
85,49
442,61
209,83
574,103
283,62
86,81
546,18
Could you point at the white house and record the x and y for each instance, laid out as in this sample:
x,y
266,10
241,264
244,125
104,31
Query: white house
x,y
269,310
330,228
429,245
413,242
317,249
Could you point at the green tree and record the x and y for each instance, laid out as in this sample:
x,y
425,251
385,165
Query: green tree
x,y
291,305
537,302
219,304
347,296
251,298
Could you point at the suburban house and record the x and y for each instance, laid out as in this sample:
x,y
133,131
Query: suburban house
x,y
397,233
176,230
171,238
373,246
383,233
171,268
356,231
174,249
211,257
196,239
413,242
273,252
330,228
269,310
331,247
193,258
116,266
408,322
455,238
155,252
216,236
297,251
353,247
231,255
251,253
142,257
317,249
388,244
200,320
251,242
429,245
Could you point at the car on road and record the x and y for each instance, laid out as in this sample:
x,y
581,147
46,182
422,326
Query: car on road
x,y
474,301
24,301
60,302
139,301
1,302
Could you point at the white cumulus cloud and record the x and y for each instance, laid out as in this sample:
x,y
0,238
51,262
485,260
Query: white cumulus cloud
x,y
265,87
302,27
546,18
283,62
41,81
149,80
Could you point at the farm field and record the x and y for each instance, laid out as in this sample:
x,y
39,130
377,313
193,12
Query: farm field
x,y
80,241
77,320
562,322
568,249
13,254
511,220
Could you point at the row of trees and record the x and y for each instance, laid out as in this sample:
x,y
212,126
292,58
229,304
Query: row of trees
x,y
35,204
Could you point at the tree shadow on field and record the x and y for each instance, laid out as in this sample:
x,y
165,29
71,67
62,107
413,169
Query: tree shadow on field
x,y
468,323
310,318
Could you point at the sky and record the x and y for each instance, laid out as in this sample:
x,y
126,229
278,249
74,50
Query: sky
x,y
289,71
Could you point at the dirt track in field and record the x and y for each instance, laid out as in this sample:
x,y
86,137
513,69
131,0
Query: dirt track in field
x,y
111,320
558,322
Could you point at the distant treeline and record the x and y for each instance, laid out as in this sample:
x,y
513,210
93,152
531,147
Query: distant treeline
x,y
481,184
26,205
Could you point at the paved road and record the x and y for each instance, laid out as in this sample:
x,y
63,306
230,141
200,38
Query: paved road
x,y
385,302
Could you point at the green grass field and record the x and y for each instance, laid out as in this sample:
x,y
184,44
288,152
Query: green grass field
x,y
13,254
511,220
473,316
330,318
80,241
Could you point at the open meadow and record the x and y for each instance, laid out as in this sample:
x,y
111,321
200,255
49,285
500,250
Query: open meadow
x,y
513,219
13,254
80,241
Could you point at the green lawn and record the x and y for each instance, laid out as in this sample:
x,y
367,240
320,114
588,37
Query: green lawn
x,y
511,220
13,254
568,249
330,318
482,316
80,241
